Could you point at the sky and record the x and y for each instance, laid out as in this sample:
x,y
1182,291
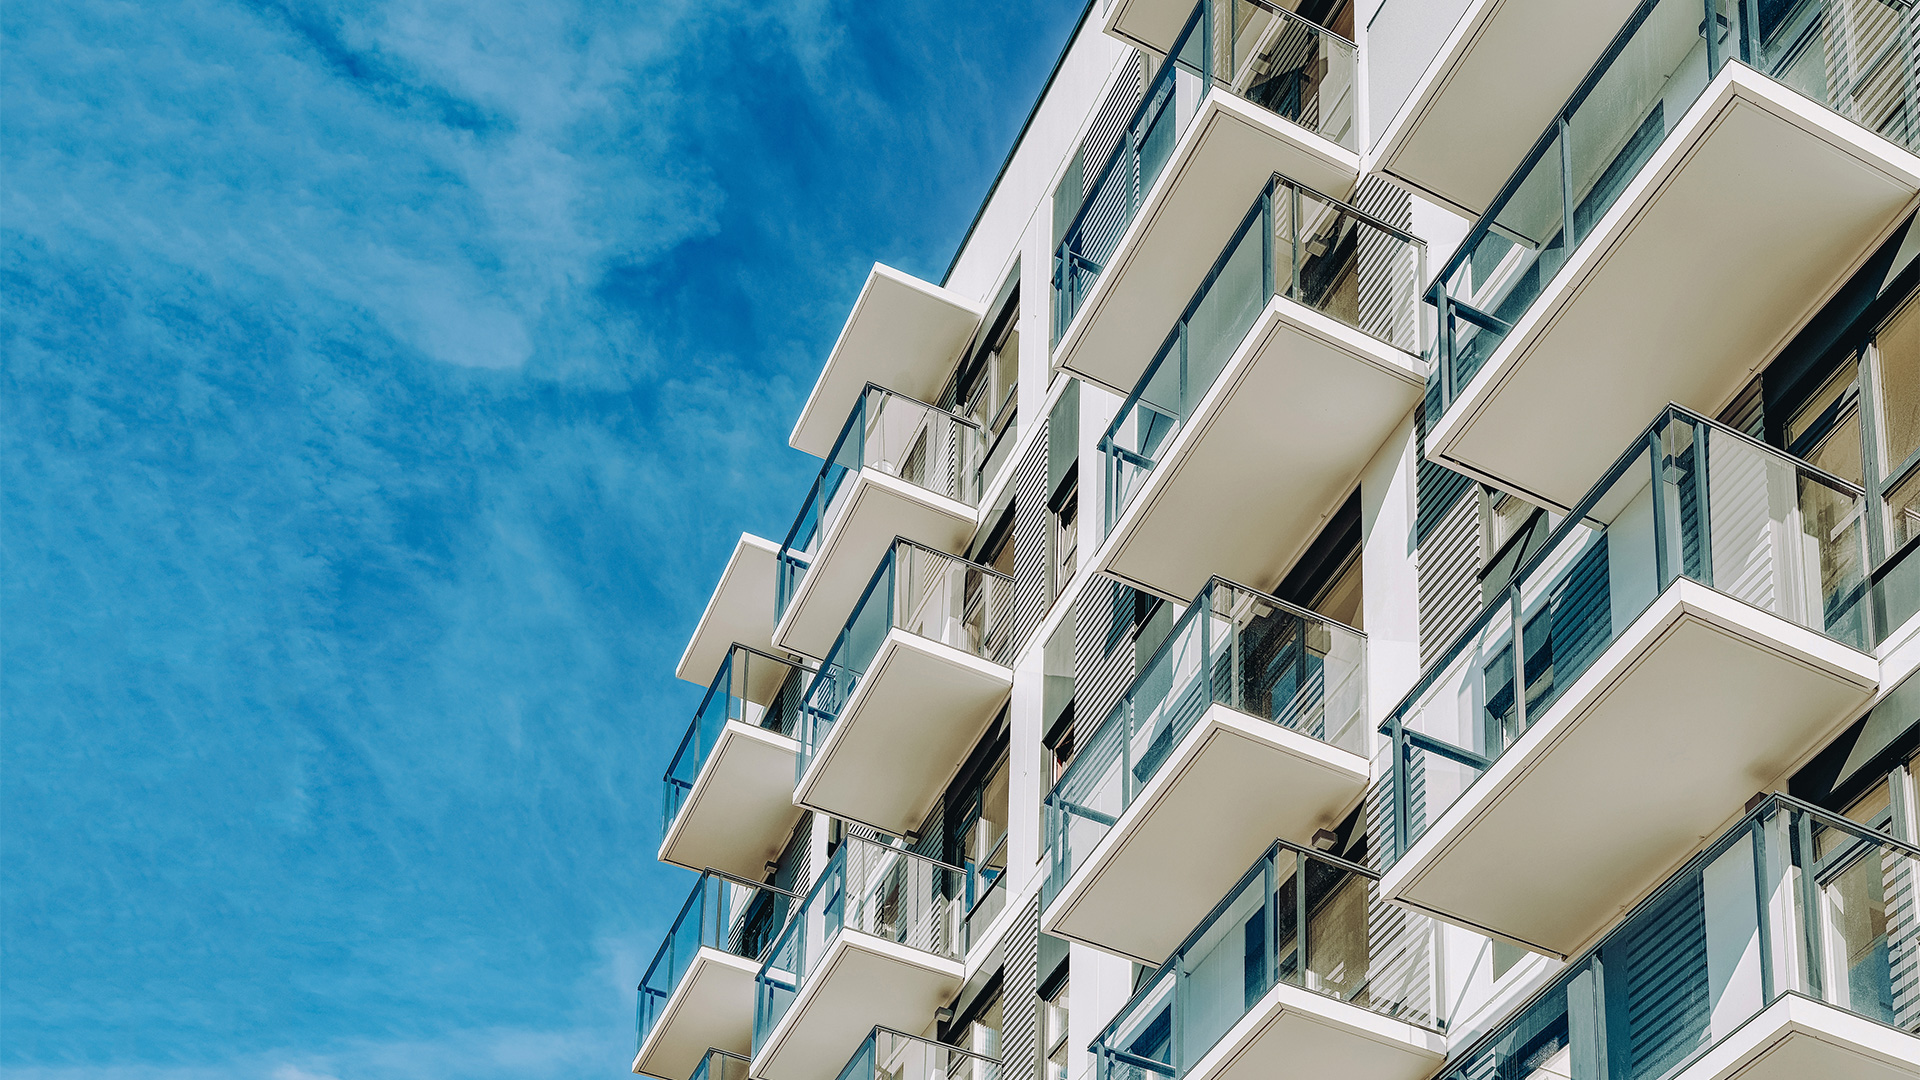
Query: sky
x,y
384,385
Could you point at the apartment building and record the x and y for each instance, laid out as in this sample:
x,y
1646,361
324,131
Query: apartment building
x,y
1433,597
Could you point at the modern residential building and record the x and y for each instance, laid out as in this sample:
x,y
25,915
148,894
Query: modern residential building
x,y
1434,597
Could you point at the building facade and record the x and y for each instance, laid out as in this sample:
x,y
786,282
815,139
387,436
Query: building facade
x,y
1434,596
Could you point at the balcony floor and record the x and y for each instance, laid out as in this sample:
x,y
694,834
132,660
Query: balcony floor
x,y
879,508
740,810
916,713
1796,1038
1295,1034
1277,442
1230,150
1701,703
711,1007
1754,209
740,610
862,981
1231,787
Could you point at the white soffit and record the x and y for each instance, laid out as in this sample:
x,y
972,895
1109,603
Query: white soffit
x,y
903,335
741,610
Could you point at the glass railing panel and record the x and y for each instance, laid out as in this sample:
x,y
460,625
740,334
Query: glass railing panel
x,y
890,433
869,887
1853,56
1236,647
1295,243
1300,71
751,687
1692,499
890,1055
927,593
1809,903
1299,918
722,913
720,1065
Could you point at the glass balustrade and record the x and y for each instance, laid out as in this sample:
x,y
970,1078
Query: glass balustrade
x,y
889,433
1691,499
1853,56
1299,918
868,887
1257,51
924,592
1790,900
1236,647
1296,243
752,688
720,1065
723,913
889,1055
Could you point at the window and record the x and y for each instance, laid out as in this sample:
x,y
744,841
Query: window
x,y
1053,1034
1066,531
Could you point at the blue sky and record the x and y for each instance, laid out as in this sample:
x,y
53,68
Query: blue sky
x,y
384,387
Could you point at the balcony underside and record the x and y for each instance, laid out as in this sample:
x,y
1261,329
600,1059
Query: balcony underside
x,y
1153,25
1749,215
711,1007
1703,702
1796,1038
862,981
1295,1034
740,610
903,334
1227,791
1279,440
918,710
1501,75
879,508
740,811
1227,155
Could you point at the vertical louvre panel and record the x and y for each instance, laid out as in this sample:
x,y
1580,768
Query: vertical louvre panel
x,y
1389,295
1032,524
1020,997
1658,1002
1448,563
1102,653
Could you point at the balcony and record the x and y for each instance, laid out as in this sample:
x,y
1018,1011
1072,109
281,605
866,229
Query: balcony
x,y
900,468
1458,87
1692,630
698,992
890,1055
1247,90
904,333
1783,951
1249,723
874,943
1226,456
736,612
910,685
728,798
1670,232
1299,973
721,1065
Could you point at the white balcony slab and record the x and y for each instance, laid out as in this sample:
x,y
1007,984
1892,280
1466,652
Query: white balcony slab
x,y
862,981
1276,444
1229,151
1703,701
740,610
917,711
878,508
712,1007
1796,1038
1232,786
1153,25
904,334
740,810
1756,207
1501,72
1296,1034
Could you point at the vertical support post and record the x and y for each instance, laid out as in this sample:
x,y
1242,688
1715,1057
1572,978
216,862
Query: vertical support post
x,y
1270,909
1300,936
1293,229
1402,791
1567,236
1762,896
1518,634
1712,27
1662,558
1810,918
1702,499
